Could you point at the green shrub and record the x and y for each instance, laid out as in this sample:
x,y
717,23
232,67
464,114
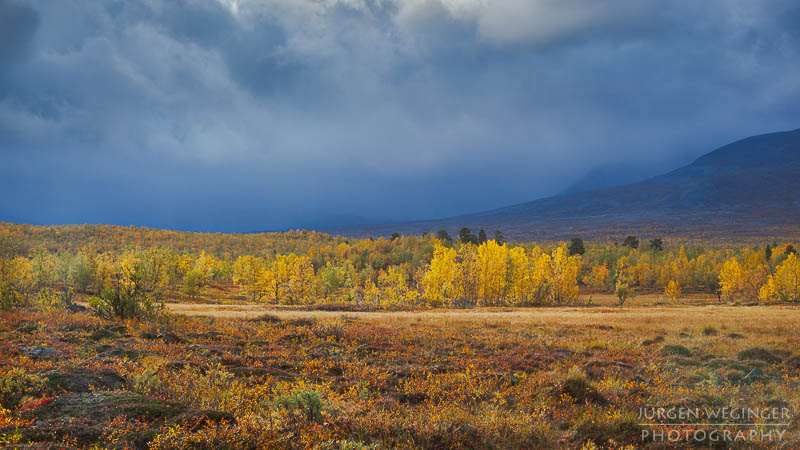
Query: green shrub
x,y
306,405
124,303
51,299
192,283
131,294
17,383
623,292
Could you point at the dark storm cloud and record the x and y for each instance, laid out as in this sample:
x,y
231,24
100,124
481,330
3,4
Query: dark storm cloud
x,y
18,21
244,115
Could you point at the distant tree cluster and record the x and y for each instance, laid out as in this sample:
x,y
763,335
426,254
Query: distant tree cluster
x,y
465,236
494,274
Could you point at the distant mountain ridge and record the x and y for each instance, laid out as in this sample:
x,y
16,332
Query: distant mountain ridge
x,y
748,188
610,176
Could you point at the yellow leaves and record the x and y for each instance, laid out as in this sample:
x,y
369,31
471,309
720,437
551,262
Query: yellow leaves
x,y
731,278
540,275
265,282
302,279
22,272
139,270
440,283
248,274
785,284
206,265
412,296
623,279
597,278
644,274
127,270
517,276
6,419
740,282
289,278
769,291
491,265
309,267
673,290
342,251
199,272
49,300
104,271
16,281
293,278
623,272
244,269
184,264
494,274
18,273
564,276
394,286
468,272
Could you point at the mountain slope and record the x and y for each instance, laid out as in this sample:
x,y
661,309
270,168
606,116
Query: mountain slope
x,y
748,188
610,176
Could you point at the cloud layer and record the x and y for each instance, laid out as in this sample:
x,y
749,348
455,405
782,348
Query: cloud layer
x,y
239,115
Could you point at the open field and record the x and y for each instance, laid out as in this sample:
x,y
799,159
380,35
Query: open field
x,y
538,378
601,303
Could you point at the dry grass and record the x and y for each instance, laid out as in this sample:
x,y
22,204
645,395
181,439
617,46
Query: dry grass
x,y
254,376
636,317
773,326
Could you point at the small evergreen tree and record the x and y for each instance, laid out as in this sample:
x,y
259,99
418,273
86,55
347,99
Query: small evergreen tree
x,y
576,247
656,245
466,236
631,242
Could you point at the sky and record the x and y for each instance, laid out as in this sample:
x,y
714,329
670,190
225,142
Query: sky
x,y
257,115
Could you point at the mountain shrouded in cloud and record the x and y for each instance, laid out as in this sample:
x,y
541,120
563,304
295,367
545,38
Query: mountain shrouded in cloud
x,y
744,189
257,115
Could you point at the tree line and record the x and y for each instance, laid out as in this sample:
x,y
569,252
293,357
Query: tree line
x,y
430,270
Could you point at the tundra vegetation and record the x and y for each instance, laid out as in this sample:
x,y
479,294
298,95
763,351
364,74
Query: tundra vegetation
x,y
489,344
118,266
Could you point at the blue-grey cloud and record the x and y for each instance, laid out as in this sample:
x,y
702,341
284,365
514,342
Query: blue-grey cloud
x,y
241,115
18,22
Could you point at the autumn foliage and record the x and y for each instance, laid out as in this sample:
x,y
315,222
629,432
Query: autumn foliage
x,y
52,264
